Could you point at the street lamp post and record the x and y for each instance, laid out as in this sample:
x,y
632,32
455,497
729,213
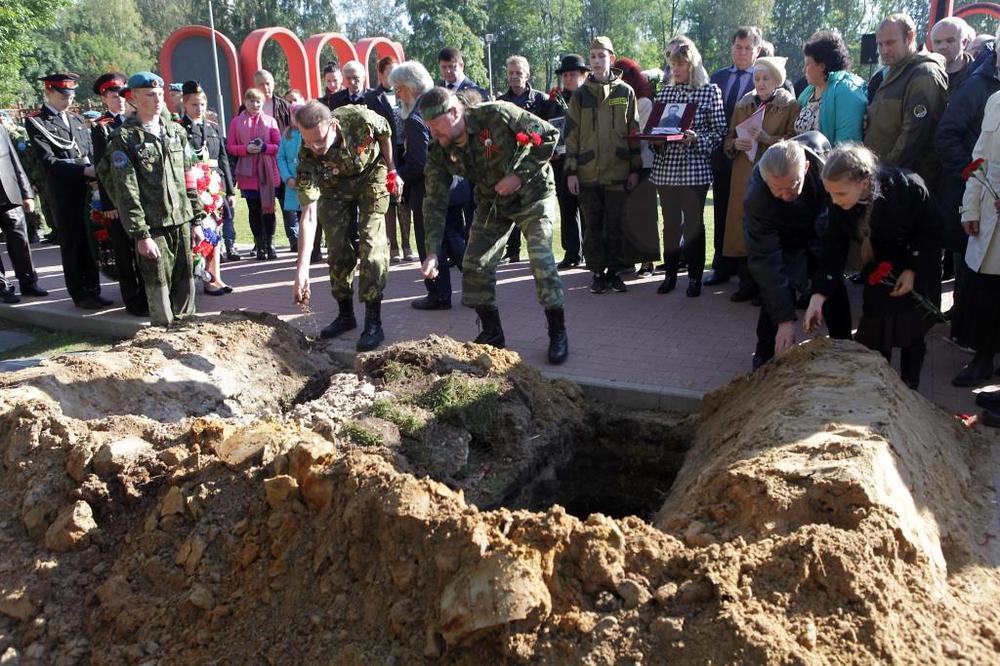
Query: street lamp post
x,y
490,38
218,79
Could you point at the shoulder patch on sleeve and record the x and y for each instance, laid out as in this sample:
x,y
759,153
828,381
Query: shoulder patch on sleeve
x,y
919,111
119,159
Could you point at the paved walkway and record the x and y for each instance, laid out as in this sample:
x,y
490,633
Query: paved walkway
x,y
673,344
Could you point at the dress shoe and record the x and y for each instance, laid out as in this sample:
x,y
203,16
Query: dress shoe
x,y
412,256
33,290
990,418
976,372
261,255
668,285
616,284
514,258
567,263
90,303
743,295
716,277
694,288
431,303
271,253
215,292
228,289
7,295
989,400
395,259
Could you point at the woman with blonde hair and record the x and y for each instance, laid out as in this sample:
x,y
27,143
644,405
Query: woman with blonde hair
x,y
682,170
780,112
890,212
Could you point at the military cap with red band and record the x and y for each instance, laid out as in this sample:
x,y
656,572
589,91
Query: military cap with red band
x,y
62,82
110,82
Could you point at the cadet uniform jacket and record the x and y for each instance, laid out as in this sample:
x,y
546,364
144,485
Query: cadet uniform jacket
x,y
206,136
599,118
904,114
354,160
144,175
490,153
63,151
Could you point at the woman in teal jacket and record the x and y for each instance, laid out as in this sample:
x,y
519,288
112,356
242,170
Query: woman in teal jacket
x,y
288,162
835,100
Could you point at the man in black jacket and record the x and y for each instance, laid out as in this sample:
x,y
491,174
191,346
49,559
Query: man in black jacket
x,y
452,67
784,207
15,193
61,142
956,136
354,86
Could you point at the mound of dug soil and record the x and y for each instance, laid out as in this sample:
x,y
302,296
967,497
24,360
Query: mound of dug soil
x,y
223,493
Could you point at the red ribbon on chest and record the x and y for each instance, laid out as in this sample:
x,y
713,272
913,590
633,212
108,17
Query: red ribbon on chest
x,y
489,147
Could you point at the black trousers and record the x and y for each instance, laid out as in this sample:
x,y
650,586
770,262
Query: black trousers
x,y
569,214
722,173
602,209
15,232
130,283
986,317
836,313
78,262
452,249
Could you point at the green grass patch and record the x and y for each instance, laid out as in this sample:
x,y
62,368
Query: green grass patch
x,y
409,425
360,435
394,371
49,342
464,402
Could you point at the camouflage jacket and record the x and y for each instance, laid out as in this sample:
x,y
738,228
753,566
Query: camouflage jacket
x,y
354,158
490,152
599,120
144,176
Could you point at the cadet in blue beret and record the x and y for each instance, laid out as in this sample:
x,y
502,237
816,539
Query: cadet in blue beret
x,y
175,96
144,173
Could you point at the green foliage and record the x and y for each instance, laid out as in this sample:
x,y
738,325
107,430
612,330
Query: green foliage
x,y
439,23
466,402
20,20
359,434
409,425
395,371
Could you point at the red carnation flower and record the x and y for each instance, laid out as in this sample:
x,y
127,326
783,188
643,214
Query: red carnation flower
x,y
536,139
96,216
522,138
101,235
553,94
972,167
880,273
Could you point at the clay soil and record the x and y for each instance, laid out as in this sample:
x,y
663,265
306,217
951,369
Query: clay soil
x,y
225,493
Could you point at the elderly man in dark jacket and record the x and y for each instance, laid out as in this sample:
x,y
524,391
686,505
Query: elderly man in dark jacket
x,y
15,194
956,135
784,208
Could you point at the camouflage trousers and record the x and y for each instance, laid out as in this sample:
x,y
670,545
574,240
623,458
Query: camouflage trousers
x,y
354,227
488,239
170,279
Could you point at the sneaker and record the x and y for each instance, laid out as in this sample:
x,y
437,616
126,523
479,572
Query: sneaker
x,y
616,284
645,269
567,263
599,285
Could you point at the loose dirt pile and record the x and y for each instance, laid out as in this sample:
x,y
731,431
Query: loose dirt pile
x,y
223,493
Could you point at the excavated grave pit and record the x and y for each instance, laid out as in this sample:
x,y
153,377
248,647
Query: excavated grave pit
x,y
226,493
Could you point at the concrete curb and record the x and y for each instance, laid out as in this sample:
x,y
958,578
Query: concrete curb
x,y
96,323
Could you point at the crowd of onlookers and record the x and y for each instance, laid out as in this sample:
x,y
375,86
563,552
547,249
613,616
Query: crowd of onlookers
x,y
632,205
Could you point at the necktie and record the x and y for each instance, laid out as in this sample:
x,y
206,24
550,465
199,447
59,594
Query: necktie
x,y
736,84
451,86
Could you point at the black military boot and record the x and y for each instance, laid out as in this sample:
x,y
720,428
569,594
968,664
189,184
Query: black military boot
x,y
491,333
558,342
372,336
344,322
269,249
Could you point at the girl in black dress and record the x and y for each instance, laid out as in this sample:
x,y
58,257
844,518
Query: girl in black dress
x,y
891,215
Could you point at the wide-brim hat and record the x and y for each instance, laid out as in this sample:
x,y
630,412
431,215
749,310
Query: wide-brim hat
x,y
573,62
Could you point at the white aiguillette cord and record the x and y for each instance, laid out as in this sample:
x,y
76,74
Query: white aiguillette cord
x,y
62,144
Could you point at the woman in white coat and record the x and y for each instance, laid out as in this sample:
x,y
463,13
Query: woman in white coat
x,y
980,208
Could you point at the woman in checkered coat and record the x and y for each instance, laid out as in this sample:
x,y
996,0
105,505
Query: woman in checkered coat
x,y
682,170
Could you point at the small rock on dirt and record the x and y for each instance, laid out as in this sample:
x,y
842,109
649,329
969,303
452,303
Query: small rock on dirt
x,y
114,456
279,488
17,605
72,528
634,593
173,503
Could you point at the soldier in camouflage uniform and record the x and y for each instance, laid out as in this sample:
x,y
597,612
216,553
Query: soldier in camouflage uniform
x,y
504,151
143,171
34,218
344,178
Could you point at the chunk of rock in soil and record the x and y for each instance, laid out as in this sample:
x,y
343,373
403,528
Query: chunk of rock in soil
x,y
72,528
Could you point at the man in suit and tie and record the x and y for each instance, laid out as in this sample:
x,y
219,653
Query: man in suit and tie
x,y
61,142
452,67
16,196
734,82
354,86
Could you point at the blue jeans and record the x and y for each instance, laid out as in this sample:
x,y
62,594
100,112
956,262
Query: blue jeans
x,y
291,220
228,228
